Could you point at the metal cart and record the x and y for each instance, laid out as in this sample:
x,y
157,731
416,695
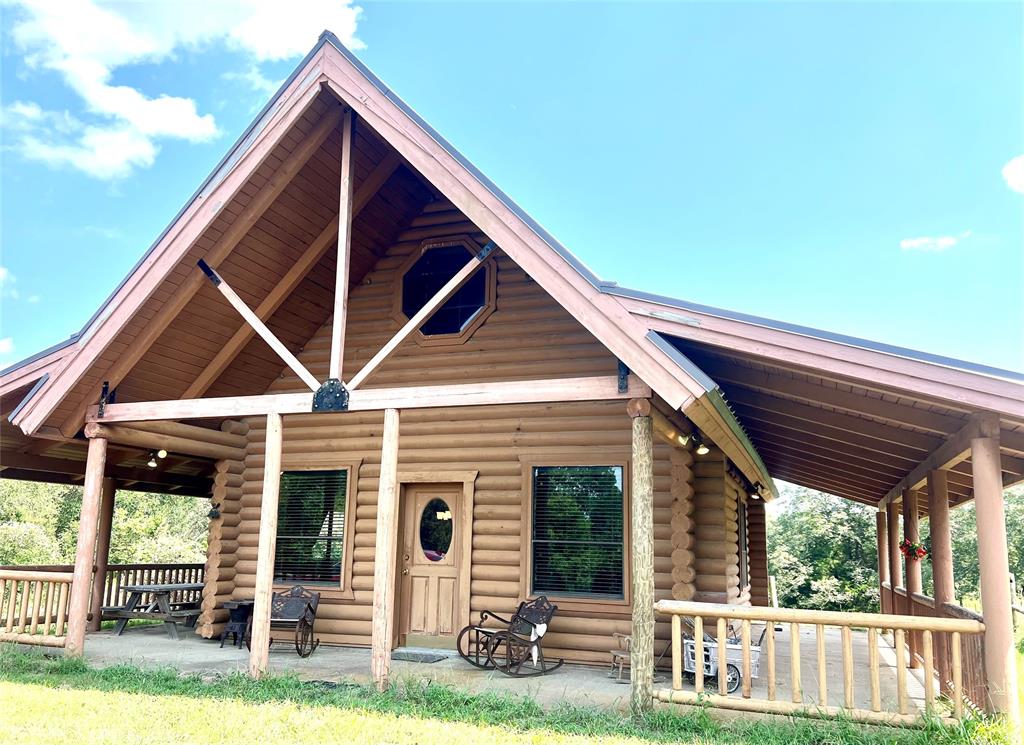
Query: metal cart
x,y
733,658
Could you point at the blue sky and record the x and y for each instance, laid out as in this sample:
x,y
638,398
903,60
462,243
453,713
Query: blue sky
x,y
849,167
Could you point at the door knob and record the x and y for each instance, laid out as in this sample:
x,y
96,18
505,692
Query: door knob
x,y
405,571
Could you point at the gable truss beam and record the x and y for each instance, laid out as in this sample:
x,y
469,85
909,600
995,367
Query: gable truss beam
x,y
954,450
215,256
298,271
259,327
339,318
593,388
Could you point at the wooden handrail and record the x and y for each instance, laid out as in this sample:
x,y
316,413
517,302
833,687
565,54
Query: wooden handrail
x,y
815,617
34,576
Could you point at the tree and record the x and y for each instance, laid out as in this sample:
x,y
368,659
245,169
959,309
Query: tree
x,y
822,551
39,525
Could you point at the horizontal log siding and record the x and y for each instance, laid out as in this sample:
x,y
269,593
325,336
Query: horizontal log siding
x,y
758,538
490,440
716,559
222,546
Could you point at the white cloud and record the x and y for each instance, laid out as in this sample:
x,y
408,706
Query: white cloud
x,y
256,80
1013,174
7,282
934,243
6,345
119,127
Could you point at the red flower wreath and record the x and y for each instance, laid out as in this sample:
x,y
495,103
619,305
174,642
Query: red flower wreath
x,y
912,550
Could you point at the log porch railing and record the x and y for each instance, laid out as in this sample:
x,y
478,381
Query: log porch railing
x,y
34,606
714,617
972,650
34,599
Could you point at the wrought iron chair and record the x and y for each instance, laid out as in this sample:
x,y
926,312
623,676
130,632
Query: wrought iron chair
x,y
508,649
296,609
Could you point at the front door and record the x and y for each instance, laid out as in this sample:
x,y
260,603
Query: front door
x,y
429,565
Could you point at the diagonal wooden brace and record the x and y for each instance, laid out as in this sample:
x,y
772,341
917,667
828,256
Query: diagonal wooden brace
x,y
259,327
440,298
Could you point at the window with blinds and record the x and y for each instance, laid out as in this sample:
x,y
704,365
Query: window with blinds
x,y
578,531
311,527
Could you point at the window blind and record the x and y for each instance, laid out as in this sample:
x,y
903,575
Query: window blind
x,y
311,527
577,531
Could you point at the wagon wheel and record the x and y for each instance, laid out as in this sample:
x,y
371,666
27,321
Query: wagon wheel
x,y
732,678
508,653
472,645
304,641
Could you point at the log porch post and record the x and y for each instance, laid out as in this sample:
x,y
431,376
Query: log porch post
x,y
913,568
259,654
641,655
942,561
386,552
994,571
81,583
881,534
99,579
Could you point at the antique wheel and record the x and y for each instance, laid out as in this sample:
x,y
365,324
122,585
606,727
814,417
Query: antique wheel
x,y
304,642
472,645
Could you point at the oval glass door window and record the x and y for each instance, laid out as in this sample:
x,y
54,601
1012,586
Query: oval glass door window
x,y
436,529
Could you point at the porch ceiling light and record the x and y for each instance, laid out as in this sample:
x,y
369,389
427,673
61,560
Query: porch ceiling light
x,y
152,460
702,449
161,454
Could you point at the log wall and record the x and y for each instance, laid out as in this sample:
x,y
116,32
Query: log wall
x,y
222,541
758,538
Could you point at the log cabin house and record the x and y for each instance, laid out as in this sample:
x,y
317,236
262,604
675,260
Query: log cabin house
x,y
395,386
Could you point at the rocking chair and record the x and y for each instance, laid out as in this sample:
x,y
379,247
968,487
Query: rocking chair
x,y
508,649
296,609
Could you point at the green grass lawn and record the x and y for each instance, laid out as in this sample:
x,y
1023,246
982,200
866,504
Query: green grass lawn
x,y
49,699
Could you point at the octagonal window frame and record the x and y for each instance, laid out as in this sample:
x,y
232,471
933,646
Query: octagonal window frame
x,y
489,269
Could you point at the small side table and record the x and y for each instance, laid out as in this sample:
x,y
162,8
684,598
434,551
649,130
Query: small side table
x,y
239,622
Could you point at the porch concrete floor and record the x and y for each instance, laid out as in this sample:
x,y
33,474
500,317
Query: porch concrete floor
x,y
149,646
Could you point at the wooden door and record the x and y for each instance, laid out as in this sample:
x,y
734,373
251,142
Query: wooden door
x,y
429,565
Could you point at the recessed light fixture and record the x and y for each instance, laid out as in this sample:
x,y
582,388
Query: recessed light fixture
x,y
161,453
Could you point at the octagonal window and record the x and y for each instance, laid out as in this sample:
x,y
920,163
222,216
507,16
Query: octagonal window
x,y
429,274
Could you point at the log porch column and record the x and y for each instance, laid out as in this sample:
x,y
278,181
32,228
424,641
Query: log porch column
x,y
994,571
942,561
641,655
99,579
386,554
259,653
81,583
913,568
884,603
895,567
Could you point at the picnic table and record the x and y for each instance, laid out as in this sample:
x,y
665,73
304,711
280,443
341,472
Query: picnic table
x,y
162,605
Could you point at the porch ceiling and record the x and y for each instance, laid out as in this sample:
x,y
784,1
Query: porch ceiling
x,y
838,435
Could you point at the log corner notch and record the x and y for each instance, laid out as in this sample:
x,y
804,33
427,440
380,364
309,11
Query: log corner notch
x,y
641,656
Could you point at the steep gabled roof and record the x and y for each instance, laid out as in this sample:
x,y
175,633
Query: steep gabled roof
x,y
330,66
